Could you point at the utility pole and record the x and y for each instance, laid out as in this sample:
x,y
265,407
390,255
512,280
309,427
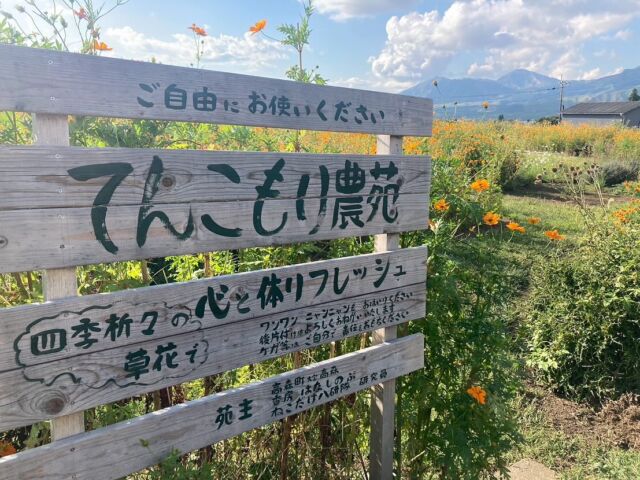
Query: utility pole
x,y
562,85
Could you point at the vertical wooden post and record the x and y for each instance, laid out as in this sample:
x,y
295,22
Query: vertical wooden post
x,y
381,440
60,282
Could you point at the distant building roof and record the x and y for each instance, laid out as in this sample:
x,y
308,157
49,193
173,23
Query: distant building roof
x,y
602,108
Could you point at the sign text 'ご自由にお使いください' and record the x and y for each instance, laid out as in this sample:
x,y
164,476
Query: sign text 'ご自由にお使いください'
x,y
128,89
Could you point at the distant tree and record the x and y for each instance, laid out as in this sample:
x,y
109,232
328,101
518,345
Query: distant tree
x,y
634,96
553,120
501,118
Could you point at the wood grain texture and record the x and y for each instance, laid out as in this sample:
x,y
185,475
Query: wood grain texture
x,y
146,440
383,398
58,283
74,378
54,238
45,81
38,177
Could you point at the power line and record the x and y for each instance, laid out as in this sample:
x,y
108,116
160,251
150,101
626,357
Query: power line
x,y
498,95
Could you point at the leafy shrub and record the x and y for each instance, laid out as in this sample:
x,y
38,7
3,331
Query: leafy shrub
x,y
446,433
617,172
582,326
480,150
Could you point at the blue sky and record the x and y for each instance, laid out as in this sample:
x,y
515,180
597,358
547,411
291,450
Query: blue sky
x,y
387,44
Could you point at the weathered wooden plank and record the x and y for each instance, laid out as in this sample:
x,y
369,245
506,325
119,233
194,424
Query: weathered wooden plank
x,y
173,307
146,440
48,177
62,282
45,81
381,438
52,238
46,371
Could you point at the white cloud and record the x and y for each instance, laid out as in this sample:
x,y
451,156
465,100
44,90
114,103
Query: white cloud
x,y
547,36
372,83
591,74
247,53
597,73
623,35
606,53
342,10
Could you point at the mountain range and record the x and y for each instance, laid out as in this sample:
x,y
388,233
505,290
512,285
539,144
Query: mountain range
x,y
521,94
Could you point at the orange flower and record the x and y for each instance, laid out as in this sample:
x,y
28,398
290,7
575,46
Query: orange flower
x,y
201,32
624,213
485,105
478,394
515,227
491,219
258,27
554,235
480,185
6,449
534,220
101,46
441,205
81,14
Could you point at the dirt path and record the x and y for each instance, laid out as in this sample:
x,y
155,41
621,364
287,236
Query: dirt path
x,y
553,193
617,423
527,469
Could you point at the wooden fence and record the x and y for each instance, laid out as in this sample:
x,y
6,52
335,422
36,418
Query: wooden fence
x,y
63,206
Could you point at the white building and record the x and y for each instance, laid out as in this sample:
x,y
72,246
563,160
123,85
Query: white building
x,y
604,113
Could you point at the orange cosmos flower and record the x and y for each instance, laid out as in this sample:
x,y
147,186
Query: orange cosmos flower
x,y
6,449
101,46
554,235
491,219
201,32
515,227
480,185
258,27
533,220
81,14
485,105
441,205
478,394
624,213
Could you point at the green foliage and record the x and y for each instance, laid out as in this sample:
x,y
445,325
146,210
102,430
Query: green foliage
x,y
448,434
617,172
581,326
478,152
634,96
552,120
298,37
8,33
47,27
175,467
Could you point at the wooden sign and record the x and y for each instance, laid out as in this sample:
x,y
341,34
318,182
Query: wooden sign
x,y
45,81
117,450
63,206
68,355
